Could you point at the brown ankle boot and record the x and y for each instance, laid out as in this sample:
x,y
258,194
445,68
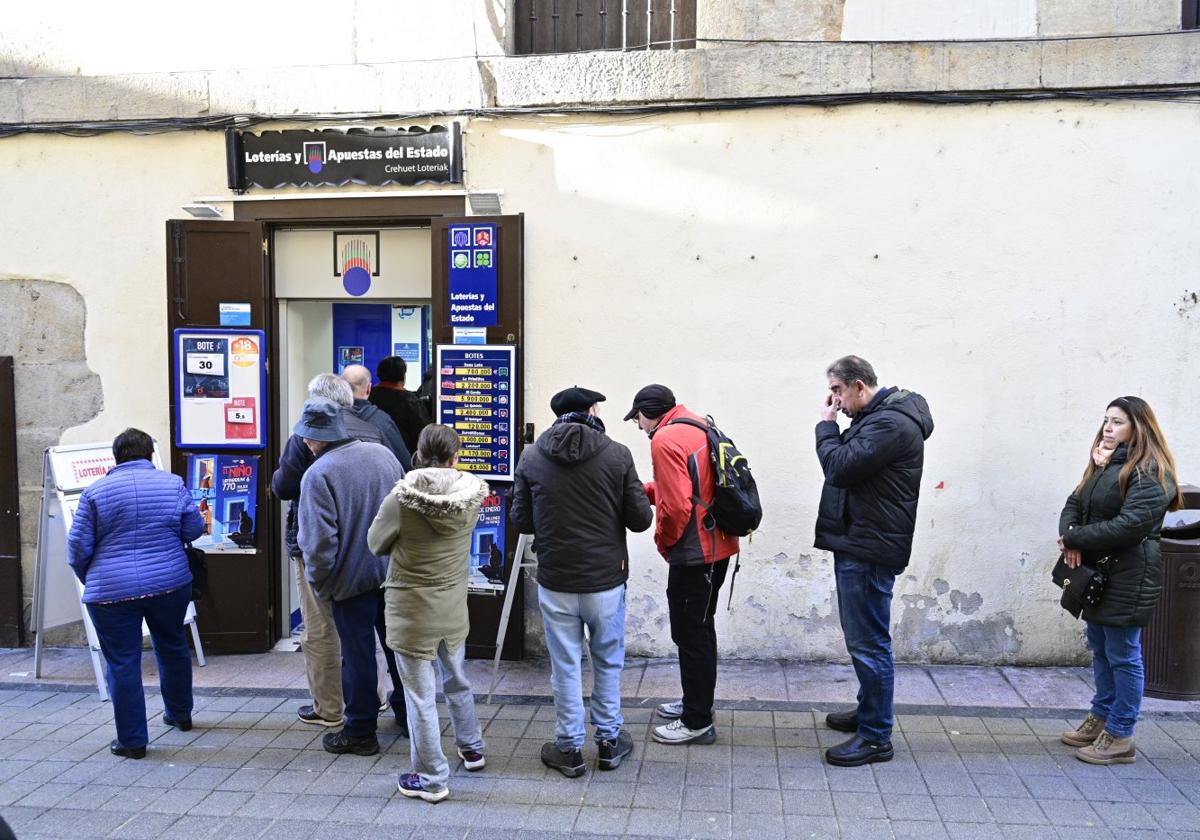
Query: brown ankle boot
x,y
1086,734
1108,750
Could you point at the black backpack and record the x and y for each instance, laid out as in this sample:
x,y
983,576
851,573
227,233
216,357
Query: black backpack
x,y
735,506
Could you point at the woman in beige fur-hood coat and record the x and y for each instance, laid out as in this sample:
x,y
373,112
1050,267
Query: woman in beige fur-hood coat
x,y
425,524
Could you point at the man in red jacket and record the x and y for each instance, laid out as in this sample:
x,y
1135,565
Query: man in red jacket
x,y
698,553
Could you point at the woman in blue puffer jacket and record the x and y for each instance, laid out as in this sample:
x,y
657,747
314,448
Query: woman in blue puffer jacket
x,y
126,547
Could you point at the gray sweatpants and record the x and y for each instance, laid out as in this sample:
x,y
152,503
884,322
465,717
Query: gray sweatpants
x,y
425,729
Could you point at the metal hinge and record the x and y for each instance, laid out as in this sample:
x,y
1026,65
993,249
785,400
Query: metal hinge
x,y
266,248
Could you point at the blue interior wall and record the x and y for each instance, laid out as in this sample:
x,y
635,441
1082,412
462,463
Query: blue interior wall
x,y
365,325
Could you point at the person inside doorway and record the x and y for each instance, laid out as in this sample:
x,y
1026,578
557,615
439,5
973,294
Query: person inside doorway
x,y
403,406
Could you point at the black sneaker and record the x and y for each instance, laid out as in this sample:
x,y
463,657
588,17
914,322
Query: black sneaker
x,y
843,721
857,752
570,763
308,714
184,724
613,750
340,742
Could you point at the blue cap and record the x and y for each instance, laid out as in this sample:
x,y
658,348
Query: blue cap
x,y
320,419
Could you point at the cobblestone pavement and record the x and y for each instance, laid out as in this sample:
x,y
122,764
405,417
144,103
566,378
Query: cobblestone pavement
x,y
250,769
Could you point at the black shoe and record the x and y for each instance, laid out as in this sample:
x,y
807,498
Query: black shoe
x,y
126,752
842,721
340,742
184,724
570,764
857,752
613,750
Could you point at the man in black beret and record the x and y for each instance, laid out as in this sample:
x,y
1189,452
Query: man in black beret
x,y
578,491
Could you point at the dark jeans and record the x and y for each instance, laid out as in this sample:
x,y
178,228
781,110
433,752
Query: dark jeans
x,y
356,619
119,628
864,593
692,602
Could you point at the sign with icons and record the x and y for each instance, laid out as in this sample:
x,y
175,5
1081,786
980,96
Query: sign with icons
x,y
474,386
473,275
219,387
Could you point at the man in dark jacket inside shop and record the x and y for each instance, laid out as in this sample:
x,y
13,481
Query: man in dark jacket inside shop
x,y
339,497
359,379
319,642
577,491
403,406
867,516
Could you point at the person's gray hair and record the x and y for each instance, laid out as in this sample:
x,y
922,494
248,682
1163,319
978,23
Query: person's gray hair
x,y
851,369
331,387
358,377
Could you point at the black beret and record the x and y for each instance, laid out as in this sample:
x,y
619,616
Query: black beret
x,y
574,399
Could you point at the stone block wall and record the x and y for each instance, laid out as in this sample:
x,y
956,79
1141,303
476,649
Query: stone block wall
x,y
42,327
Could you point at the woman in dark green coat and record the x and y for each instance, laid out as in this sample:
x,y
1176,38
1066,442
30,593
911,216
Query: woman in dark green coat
x,y
1112,521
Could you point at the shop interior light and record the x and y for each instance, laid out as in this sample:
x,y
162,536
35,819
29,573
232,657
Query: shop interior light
x,y
484,203
203,211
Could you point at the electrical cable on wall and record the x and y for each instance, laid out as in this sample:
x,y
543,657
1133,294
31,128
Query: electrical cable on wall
x,y
1187,94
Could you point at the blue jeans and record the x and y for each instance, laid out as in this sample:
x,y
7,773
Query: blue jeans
x,y
355,619
421,678
864,593
119,628
564,615
1120,678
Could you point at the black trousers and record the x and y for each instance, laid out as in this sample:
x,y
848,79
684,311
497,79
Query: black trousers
x,y
692,603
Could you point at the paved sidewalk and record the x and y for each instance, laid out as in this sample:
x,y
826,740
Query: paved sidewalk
x,y
977,755
250,769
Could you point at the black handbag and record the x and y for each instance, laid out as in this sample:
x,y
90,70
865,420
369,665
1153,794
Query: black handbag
x,y
1082,586
198,563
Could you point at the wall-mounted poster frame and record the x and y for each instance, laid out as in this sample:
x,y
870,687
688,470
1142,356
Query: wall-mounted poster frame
x,y
220,388
475,387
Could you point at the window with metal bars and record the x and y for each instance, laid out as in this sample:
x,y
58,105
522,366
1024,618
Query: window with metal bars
x,y
562,26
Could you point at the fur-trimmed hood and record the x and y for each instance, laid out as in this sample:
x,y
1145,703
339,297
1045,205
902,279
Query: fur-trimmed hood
x,y
441,495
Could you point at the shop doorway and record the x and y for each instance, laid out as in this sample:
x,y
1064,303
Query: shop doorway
x,y
333,282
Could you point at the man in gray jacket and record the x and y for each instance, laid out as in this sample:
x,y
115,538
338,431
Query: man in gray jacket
x,y
578,491
339,496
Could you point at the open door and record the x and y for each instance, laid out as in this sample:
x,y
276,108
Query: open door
x,y
210,263
503,247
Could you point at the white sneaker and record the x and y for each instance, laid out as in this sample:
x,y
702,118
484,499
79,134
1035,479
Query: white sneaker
x,y
676,733
671,710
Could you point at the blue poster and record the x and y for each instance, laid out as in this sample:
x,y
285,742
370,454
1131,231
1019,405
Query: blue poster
x,y
472,261
487,542
225,490
475,388
205,368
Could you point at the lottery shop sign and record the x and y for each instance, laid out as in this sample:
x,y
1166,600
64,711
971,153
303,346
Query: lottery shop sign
x,y
475,393
472,286
335,157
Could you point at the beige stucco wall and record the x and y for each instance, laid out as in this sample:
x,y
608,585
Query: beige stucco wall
x,y
1019,264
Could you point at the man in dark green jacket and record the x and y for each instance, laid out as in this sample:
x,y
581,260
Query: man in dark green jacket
x,y
867,516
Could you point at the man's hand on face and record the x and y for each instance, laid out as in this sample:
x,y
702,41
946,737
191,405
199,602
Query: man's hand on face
x,y
829,408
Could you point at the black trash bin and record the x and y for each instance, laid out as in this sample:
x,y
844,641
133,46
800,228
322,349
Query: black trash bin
x,y
1171,642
